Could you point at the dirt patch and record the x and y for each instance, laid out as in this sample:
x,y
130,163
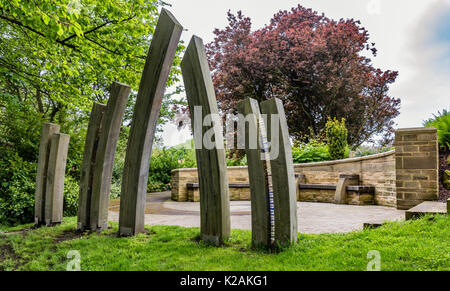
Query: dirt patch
x,y
196,239
68,235
23,232
7,252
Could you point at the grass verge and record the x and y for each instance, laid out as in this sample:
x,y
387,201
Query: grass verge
x,y
422,244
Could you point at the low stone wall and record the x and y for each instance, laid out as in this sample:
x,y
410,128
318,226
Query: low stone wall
x,y
377,170
402,178
180,177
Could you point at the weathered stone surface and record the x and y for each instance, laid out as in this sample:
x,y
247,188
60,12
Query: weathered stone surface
x,y
87,166
104,160
416,166
54,194
340,196
428,207
299,179
259,170
48,130
146,113
212,171
283,177
377,171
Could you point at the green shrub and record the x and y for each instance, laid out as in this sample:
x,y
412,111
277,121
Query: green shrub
x,y
441,122
336,138
314,151
163,161
116,188
363,151
156,186
71,194
17,189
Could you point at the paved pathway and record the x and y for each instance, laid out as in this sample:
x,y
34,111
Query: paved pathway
x,y
312,217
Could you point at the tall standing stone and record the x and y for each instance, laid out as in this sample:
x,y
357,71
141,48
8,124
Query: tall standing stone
x,y
54,194
87,166
259,171
212,171
100,148
101,184
146,113
283,177
48,130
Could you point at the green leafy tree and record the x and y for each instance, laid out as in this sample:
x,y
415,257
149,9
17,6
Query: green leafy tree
x,y
70,51
56,59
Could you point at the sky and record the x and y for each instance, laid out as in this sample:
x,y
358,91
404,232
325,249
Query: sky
x,y
412,37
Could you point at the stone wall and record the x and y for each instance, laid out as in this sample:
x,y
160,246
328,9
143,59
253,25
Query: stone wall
x,y
416,158
180,177
402,178
377,170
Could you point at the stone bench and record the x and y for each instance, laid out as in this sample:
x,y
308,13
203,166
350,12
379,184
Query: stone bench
x,y
346,191
355,194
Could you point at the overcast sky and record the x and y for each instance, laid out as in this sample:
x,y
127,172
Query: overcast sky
x,y
412,37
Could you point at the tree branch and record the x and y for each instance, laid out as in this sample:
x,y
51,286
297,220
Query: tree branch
x,y
97,28
14,21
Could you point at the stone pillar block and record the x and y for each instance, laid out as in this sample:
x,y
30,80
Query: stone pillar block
x,y
54,194
416,164
212,169
48,131
259,172
283,177
146,113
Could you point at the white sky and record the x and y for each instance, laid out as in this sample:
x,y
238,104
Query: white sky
x,y
412,37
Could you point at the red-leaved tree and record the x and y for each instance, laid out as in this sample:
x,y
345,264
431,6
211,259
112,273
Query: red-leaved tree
x,y
314,64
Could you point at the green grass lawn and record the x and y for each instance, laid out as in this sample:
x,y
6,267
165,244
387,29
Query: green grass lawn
x,y
422,244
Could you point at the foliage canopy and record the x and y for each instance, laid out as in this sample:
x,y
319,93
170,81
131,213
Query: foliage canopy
x,y
316,65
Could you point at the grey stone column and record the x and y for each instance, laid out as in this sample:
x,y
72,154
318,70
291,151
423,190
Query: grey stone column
x,y
104,161
212,170
259,171
146,113
48,130
282,173
54,194
98,161
87,167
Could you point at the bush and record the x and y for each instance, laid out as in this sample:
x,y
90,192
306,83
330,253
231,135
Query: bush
x,y
314,151
336,138
71,194
162,163
441,122
17,189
